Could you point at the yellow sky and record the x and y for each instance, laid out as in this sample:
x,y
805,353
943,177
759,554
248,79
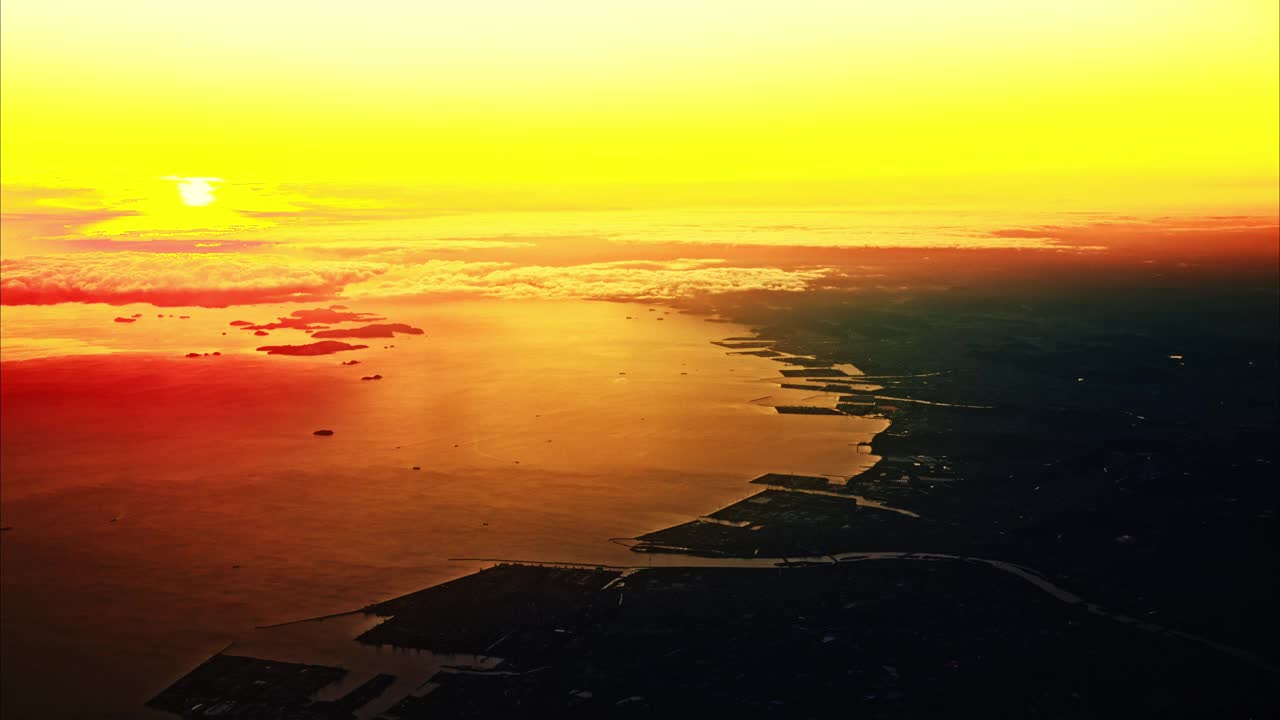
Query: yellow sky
x,y
580,103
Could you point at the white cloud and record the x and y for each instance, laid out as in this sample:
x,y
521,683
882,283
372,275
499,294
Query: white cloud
x,y
623,280
174,279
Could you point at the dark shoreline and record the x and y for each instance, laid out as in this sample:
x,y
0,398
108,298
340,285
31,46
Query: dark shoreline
x,y
1035,480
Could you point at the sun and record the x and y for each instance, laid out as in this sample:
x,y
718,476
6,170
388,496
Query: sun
x,y
195,191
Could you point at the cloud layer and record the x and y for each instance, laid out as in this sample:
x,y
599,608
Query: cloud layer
x,y
220,280
1223,235
642,280
173,279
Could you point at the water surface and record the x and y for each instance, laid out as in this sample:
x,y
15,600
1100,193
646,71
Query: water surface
x,y
162,507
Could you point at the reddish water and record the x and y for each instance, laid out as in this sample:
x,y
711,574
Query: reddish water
x,y
161,507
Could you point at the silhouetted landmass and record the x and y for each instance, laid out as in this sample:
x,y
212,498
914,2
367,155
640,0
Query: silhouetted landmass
x,y
525,609
1135,403
883,639
803,482
1071,517
805,410
124,320
814,373
324,347
345,706
314,319
744,345
370,331
803,362
858,408
244,688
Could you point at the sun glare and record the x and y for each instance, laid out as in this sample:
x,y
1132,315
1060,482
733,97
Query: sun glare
x,y
195,191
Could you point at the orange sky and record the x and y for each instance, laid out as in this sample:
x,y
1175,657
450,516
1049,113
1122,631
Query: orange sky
x,y
442,106
390,129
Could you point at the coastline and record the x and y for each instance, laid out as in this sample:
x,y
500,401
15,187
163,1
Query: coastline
x,y
843,501
939,460
251,520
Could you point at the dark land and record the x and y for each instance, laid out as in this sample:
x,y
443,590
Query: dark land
x,y
1129,446
824,372
370,331
240,687
806,410
1084,527
745,345
870,638
804,362
324,347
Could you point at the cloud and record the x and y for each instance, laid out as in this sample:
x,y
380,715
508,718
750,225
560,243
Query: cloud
x,y
622,280
219,280
165,245
1187,236
30,226
312,212
174,279
408,251
32,211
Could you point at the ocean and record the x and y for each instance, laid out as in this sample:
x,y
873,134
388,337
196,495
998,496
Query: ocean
x,y
160,507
